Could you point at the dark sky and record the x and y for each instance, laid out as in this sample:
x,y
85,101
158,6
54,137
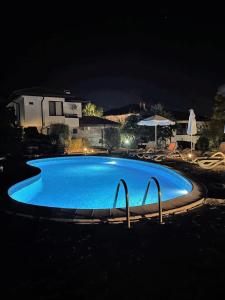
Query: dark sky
x,y
114,57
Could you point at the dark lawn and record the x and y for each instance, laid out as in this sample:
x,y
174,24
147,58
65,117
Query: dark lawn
x,y
182,259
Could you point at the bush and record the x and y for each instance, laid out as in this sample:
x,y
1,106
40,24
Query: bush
x,y
10,134
202,144
111,138
128,140
31,132
61,132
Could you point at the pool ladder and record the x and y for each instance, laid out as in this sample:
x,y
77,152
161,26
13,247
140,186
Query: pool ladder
x,y
144,198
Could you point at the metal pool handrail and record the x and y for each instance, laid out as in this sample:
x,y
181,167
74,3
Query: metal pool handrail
x,y
127,199
159,197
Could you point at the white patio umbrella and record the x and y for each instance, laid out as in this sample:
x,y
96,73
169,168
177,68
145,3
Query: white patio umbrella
x,y
156,120
192,126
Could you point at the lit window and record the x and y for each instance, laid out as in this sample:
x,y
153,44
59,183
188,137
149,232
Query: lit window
x,y
55,108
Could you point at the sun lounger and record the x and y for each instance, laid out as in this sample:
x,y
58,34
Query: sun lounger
x,y
217,155
139,152
211,162
162,154
220,154
146,152
176,154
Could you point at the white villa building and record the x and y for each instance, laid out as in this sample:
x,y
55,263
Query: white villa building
x,y
40,108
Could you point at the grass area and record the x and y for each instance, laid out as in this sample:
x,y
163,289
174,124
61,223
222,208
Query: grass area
x,y
184,258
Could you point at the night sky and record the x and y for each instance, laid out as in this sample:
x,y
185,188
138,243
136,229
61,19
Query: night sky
x,y
114,58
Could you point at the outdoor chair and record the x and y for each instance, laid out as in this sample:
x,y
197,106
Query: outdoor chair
x,y
163,154
148,151
211,163
140,152
134,152
217,155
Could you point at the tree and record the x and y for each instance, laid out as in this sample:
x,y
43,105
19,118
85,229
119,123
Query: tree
x,y
111,138
217,122
92,110
10,134
60,134
146,133
219,104
135,132
202,144
130,125
159,109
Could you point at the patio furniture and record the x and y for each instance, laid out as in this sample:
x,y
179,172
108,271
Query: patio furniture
x,y
149,151
220,154
137,152
192,126
162,154
211,162
150,148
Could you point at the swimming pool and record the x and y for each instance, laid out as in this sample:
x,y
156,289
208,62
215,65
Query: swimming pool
x,y
82,189
89,183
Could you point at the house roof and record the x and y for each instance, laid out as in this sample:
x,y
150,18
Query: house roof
x,y
96,121
39,91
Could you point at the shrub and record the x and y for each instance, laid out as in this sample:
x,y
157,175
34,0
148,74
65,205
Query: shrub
x,y
111,138
202,143
10,134
128,140
31,132
61,132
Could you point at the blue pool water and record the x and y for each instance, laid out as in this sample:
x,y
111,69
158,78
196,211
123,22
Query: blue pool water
x,y
91,181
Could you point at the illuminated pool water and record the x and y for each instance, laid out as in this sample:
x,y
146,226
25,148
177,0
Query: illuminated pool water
x,y
90,182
